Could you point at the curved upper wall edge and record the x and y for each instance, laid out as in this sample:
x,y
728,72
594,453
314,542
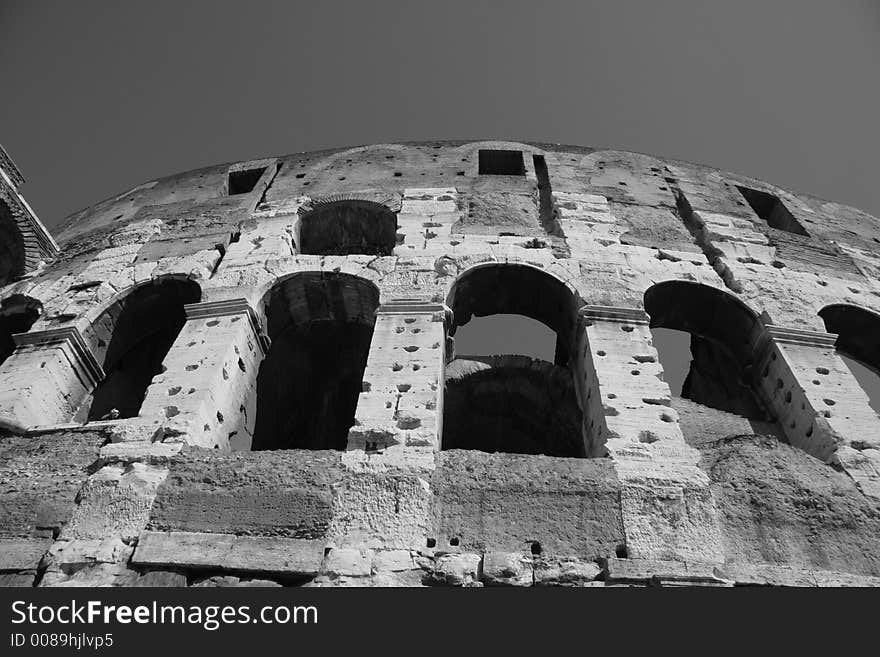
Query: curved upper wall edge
x,y
206,186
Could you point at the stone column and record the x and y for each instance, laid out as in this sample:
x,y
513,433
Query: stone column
x,y
46,379
621,387
667,507
206,394
398,421
819,404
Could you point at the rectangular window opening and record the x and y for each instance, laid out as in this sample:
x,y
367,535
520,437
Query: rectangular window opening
x,y
501,163
772,210
243,182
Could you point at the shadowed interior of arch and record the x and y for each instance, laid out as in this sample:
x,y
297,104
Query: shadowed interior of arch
x,y
17,315
12,252
320,326
721,332
868,378
509,387
858,343
348,227
141,328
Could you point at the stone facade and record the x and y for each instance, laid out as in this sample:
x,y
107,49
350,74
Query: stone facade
x,y
247,375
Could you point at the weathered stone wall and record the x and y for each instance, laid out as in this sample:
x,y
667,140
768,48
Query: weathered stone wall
x,y
663,490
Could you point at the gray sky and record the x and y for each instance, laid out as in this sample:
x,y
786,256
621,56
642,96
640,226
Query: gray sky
x,y
100,96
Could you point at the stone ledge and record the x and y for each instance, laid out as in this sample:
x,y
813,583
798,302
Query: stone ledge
x,y
647,571
680,573
277,494
140,450
229,552
18,579
786,335
613,314
22,553
772,575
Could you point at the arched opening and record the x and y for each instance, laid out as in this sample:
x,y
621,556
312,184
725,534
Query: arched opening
x,y
320,326
503,290
509,387
858,343
142,327
722,334
348,227
17,314
12,255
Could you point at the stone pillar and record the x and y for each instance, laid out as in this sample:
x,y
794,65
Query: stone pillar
x,y
46,379
667,507
820,405
206,394
398,421
620,381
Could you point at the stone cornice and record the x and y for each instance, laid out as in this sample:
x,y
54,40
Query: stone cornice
x,y
86,364
414,306
11,169
784,335
405,306
225,308
31,228
613,314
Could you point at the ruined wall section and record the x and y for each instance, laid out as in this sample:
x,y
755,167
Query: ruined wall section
x,y
174,497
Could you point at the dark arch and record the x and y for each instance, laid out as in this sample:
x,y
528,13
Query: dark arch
x,y
142,327
724,332
13,262
858,332
516,289
512,404
17,314
858,339
320,326
348,227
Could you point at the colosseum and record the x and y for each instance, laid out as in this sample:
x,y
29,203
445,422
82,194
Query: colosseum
x,y
256,374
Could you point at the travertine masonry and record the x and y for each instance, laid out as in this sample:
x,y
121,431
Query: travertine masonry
x,y
243,376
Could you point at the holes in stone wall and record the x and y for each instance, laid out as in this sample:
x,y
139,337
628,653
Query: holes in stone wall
x,y
348,228
143,327
320,326
501,163
244,181
772,210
